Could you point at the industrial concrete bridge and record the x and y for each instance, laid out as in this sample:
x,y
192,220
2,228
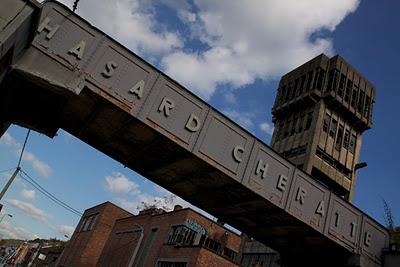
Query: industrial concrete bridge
x,y
58,71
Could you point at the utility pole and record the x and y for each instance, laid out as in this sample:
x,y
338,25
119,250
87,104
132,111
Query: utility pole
x,y
12,178
9,182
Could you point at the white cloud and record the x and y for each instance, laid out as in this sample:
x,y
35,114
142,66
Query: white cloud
x,y
254,39
64,230
245,119
38,165
9,230
30,210
130,23
7,139
28,194
267,128
119,184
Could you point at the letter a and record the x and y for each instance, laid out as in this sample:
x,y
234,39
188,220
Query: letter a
x,y
78,49
137,89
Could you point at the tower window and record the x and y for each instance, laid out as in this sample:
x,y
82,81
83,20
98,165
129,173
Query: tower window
x,y
309,120
327,121
360,104
318,81
349,86
296,88
367,106
286,129
333,79
352,145
346,139
294,124
354,96
339,138
301,122
309,80
341,85
333,128
302,82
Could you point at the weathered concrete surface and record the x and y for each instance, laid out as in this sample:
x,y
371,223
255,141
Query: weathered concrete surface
x,y
143,119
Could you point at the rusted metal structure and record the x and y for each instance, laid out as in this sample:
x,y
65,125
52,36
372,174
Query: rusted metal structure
x,y
58,71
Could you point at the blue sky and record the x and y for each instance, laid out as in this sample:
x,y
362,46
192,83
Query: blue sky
x,y
232,54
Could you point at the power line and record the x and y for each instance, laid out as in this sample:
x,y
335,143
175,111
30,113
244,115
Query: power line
x,y
36,185
7,170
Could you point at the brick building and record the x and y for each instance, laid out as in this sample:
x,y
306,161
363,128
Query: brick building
x,y
178,238
110,236
320,112
91,234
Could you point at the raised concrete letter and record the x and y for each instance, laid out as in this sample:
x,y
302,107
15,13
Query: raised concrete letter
x,y
166,105
109,69
367,239
282,181
262,167
193,124
138,89
236,151
45,26
301,194
78,49
321,208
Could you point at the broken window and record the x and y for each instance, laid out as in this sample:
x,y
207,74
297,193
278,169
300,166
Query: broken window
x,y
349,87
346,139
352,145
339,138
327,121
333,128
341,85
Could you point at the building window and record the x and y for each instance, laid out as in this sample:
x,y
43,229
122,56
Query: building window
x,y
319,80
88,222
333,128
309,120
171,264
360,104
212,245
309,80
333,79
349,87
229,253
339,138
303,81
300,124
341,85
294,125
286,129
327,121
367,106
346,139
352,145
296,88
354,96
181,235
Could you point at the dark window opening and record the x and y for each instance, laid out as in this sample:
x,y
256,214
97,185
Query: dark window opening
x,y
327,121
309,80
354,97
341,85
301,88
352,145
349,86
346,139
294,124
309,120
229,253
360,104
296,89
319,79
300,124
333,128
181,235
339,138
367,106
333,79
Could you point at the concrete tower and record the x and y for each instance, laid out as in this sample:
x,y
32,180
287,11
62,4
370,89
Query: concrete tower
x,y
320,112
